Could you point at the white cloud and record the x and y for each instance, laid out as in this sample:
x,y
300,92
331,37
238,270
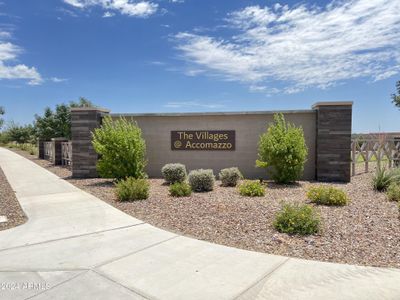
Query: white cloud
x,y
302,47
191,104
108,14
9,53
125,7
58,80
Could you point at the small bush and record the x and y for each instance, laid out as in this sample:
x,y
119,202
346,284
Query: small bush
x,y
230,176
382,179
393,192
297,219
251,189
180,189
283,148
202,180
174,173
326,195
395,175
121,148
132,189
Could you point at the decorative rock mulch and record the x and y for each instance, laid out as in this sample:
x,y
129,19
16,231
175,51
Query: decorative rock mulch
x,y
366,232
11,213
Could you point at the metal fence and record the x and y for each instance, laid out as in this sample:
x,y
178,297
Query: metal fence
x,y
375,152
66,153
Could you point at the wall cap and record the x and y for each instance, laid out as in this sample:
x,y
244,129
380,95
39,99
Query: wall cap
x,y
59,139
227,113
90,109
332,103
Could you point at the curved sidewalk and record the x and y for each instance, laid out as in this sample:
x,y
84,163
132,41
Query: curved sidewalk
x,y
75,246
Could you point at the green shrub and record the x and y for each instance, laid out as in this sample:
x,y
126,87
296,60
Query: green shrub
x,y
230,176
121,148
382,179
174,173
283,148
393,191
132,189
395,175
201,180
326,195
297,219
251,188
180,189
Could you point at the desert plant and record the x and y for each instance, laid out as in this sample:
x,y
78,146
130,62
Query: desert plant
x,y
382,179
297,219
174,173
201,180
282,148
121,148
132,189
230,176
326,195
395,175
180,189
251,188
393,191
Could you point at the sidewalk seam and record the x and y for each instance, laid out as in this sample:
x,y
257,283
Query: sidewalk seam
x,y
45,291
120,284
73,236
264,277
134,252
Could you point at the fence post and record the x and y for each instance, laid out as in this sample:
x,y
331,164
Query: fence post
x,y
333,153
83,121
41,148
353,157
56,150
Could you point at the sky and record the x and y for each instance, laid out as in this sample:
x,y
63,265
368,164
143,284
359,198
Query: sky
x,y
201,55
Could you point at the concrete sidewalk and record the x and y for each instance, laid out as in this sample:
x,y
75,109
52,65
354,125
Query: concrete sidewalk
x,y
75,246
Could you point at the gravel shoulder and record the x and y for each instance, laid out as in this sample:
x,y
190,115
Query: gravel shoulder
x,y
366,232
9,205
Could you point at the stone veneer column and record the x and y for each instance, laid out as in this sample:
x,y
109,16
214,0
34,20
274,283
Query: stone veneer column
x,y
83,121
333,153
57,151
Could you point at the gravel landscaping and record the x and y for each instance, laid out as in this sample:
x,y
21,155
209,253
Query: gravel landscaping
x,y
9,205
365,232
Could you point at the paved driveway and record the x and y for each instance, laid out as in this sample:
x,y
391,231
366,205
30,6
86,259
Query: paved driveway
x,y
75,246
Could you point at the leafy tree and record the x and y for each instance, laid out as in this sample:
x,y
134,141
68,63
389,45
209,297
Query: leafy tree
x,y
45,125
2,112
121,148
396,96
283,148
58,123
20,134
82,102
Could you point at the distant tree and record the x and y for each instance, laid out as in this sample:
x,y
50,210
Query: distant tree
x,y
82,102
2,112
396,96
58,123
45,125
20,134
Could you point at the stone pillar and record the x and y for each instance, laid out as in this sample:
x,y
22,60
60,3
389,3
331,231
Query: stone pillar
x,y
41,148
83,121
333,153
56,151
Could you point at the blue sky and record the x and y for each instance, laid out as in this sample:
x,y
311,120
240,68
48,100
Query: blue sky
x,y
170,55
